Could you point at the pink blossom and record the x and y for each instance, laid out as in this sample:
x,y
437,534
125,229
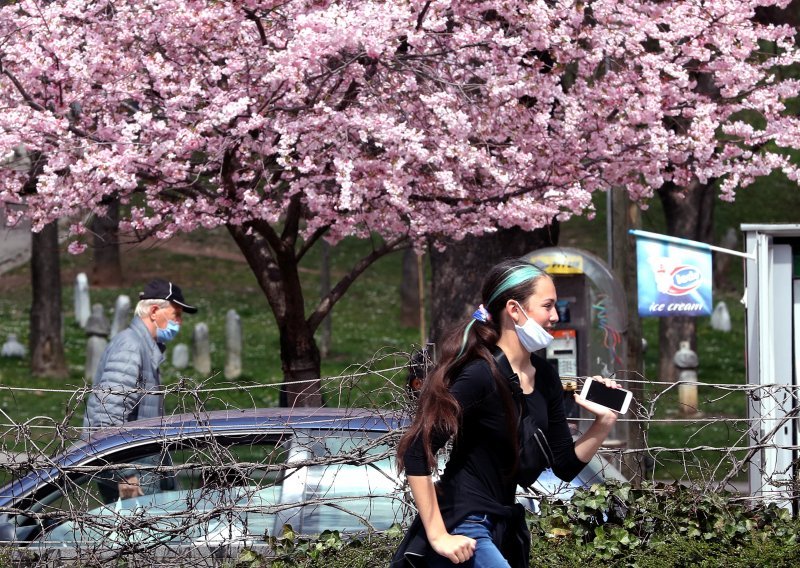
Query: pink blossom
x,y
382,119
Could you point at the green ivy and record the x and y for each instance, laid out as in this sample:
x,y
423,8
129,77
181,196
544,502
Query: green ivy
x,y
617,523
656,526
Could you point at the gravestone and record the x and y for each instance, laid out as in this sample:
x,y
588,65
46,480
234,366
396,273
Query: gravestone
x,y
95,346
686,361
721,317
97,324
180,356
97,329
201,349
122,314
82,303
233,345
12,347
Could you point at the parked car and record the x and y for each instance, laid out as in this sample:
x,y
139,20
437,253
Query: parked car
x,y
225,478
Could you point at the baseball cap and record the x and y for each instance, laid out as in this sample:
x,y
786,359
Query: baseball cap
x,y
160,289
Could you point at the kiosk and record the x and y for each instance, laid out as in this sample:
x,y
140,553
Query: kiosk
x,y
589,336
592,313
772,314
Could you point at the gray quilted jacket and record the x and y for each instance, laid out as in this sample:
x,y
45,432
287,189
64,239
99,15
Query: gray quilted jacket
x,y
127,368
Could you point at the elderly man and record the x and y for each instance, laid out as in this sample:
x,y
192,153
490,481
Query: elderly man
x,y
126,384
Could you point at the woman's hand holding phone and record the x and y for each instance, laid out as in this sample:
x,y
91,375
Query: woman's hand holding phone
x,y
603,393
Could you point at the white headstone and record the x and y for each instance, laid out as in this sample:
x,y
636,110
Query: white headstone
x,y
180,356
721,317
122,314
95,346
97,324
12,347
201,349
233,345
83,306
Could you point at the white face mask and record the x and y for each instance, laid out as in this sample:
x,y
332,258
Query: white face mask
x,y
532,336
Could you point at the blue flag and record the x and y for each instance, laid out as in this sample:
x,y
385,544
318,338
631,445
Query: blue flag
x,y
673,279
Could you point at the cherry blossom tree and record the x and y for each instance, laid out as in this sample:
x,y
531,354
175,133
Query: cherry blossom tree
x,y
407,121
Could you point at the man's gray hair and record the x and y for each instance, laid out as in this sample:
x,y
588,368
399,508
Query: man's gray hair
x,y
144,306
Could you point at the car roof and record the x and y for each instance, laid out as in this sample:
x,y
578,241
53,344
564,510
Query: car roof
x,y
240,421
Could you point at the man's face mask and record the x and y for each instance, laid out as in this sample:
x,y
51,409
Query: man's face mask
x,y
168,332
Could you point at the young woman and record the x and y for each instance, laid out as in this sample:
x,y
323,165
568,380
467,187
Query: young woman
x,y
469,516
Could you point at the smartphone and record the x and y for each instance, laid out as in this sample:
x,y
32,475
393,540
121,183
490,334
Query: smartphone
x,y
615,399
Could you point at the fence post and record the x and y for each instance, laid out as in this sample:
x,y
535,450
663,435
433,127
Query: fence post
x,y
687,362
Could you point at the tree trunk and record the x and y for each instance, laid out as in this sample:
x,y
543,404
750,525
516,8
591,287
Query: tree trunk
x,y
106,268
458,271
301,366
47,348
689,213
625,215
277,274
325,338
409,291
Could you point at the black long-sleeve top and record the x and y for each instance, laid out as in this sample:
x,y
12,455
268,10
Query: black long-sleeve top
x,y
479,476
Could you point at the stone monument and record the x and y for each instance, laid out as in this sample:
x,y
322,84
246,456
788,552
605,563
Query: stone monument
x,y
233,345
201,349
122,314
97,329
82,303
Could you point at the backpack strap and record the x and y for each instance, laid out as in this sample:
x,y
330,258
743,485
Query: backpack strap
x,y
505,368
527,431
513,382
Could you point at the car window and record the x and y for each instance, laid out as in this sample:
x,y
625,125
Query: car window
x,y
346,496
205,490
212,490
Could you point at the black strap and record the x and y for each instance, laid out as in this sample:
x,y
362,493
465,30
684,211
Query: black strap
x,y
513,382
522,407
505,367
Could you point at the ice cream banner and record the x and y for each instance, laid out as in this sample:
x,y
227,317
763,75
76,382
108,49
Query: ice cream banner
x,y
674,279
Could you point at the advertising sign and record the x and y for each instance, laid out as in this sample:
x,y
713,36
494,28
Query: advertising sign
x,y
673,279
559,262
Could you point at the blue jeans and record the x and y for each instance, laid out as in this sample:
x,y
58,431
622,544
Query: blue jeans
x,y
487,555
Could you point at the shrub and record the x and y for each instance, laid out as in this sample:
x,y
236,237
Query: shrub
x,y
657,526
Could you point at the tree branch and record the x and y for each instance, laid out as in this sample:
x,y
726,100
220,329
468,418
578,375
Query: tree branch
x,y
311,241
422,14
261,259
251,15
28,99
327,303
292,223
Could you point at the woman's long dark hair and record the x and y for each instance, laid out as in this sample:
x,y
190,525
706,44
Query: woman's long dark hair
x,y
437,409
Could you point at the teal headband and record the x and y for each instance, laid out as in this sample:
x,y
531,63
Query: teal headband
x,y
514,277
